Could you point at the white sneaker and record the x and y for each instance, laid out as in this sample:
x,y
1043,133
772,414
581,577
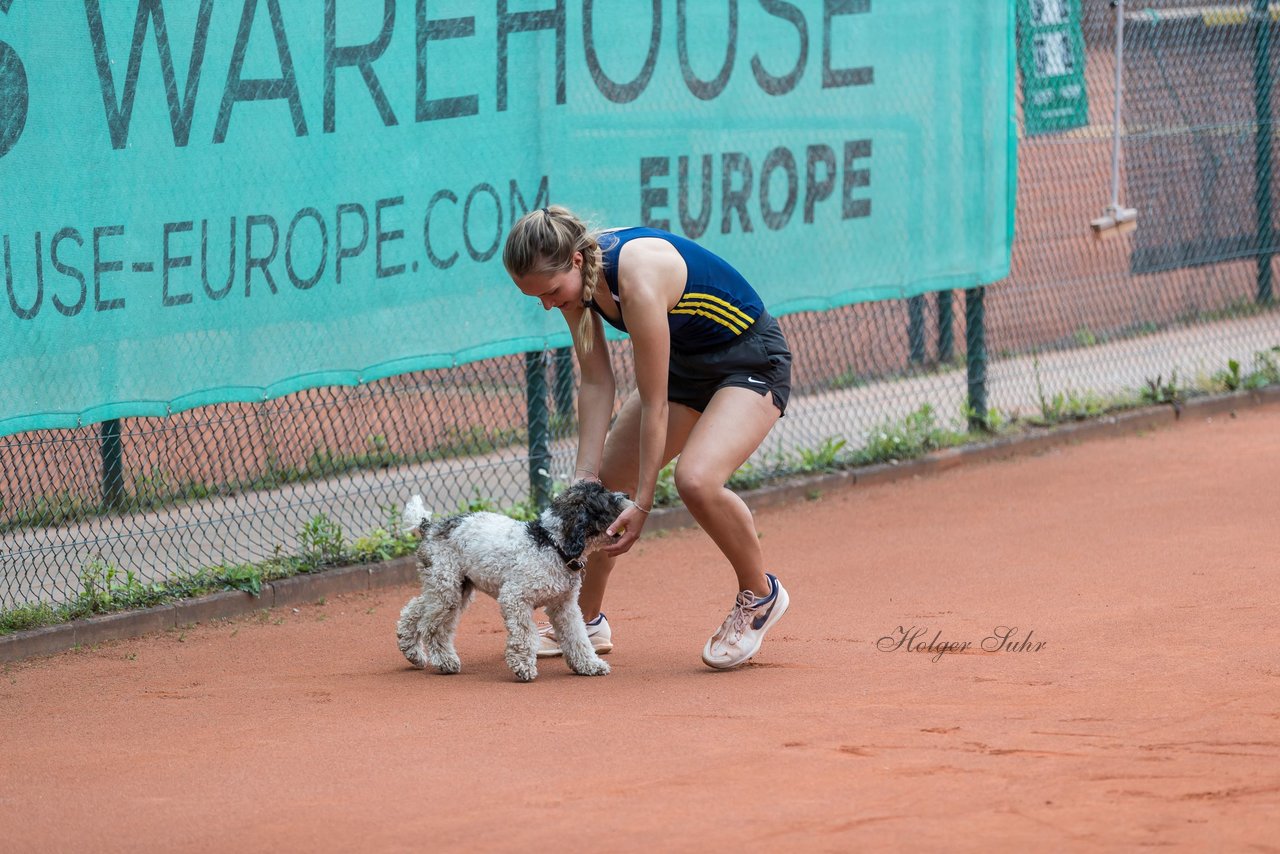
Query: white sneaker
x,y
597,630
742,632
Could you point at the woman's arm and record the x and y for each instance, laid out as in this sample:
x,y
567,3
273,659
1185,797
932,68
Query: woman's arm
x,y
646,314
595,395
651,277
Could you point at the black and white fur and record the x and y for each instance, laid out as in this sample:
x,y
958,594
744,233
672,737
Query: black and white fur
x,y
524,565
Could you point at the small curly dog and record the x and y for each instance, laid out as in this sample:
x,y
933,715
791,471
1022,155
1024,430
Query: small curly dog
x,y
524,565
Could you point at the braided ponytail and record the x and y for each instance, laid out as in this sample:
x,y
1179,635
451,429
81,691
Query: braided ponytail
x,y
545,241
591,276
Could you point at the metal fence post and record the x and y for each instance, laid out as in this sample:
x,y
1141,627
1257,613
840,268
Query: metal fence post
x,y
915,329
946,335
1262,143
535,372
975,337
562,390
112,465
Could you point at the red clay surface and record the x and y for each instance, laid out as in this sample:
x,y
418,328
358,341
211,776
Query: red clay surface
x,y
1146,566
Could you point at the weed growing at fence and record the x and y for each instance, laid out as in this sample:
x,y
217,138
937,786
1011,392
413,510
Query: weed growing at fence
x,y
246,577
1229,379
825,457
376,546
1268,367
1157,391
322,542
1072,405
912,436
105,589
25,617
995,422
1266,371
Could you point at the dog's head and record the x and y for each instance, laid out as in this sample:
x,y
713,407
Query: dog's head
x,y
584,512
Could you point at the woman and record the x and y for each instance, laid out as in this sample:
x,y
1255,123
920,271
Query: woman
x,y
713,374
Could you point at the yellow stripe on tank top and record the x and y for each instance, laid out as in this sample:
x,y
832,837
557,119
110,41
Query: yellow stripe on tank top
x,y
690,308
732,309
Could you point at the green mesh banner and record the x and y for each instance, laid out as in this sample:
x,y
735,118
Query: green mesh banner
x,y
210,201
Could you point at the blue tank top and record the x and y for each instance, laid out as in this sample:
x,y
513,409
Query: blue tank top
x,y
716,307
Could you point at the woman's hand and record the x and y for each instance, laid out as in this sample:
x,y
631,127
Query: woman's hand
x,y
627,528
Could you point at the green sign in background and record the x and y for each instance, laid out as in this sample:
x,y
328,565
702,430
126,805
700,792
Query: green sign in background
x,y
215,201
1051,58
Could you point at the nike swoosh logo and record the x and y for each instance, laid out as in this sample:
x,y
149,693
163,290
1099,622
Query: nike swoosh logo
x,y
756,381
758,622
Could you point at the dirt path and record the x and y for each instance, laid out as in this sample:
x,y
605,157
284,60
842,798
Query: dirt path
x,y
1146,566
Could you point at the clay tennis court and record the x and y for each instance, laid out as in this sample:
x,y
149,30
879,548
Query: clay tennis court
x,y
1145,565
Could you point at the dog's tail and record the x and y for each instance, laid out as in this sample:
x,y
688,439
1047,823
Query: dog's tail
x,y
416,516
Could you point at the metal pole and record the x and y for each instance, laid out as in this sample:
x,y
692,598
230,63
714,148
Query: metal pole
x,y
562,391
946,335
975,336
915,329
535,372
1119,100
112,465
1262,82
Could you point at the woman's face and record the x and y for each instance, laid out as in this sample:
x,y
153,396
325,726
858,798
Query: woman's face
x,y
560,289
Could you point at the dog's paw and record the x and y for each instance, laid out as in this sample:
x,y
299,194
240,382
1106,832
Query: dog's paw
x,y
523,671
448,664
414,654
596,667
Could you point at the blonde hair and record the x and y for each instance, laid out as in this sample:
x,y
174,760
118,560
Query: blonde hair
x,y
544,241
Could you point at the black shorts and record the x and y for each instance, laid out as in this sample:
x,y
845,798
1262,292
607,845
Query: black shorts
x,y
759,359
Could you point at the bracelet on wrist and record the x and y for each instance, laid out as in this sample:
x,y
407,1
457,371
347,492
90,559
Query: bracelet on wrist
x,y
641,509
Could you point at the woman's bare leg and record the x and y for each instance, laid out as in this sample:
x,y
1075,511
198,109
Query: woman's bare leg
x,y
733,426
618,471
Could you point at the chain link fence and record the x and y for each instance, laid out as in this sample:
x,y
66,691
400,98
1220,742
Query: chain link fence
x,y
1082,324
